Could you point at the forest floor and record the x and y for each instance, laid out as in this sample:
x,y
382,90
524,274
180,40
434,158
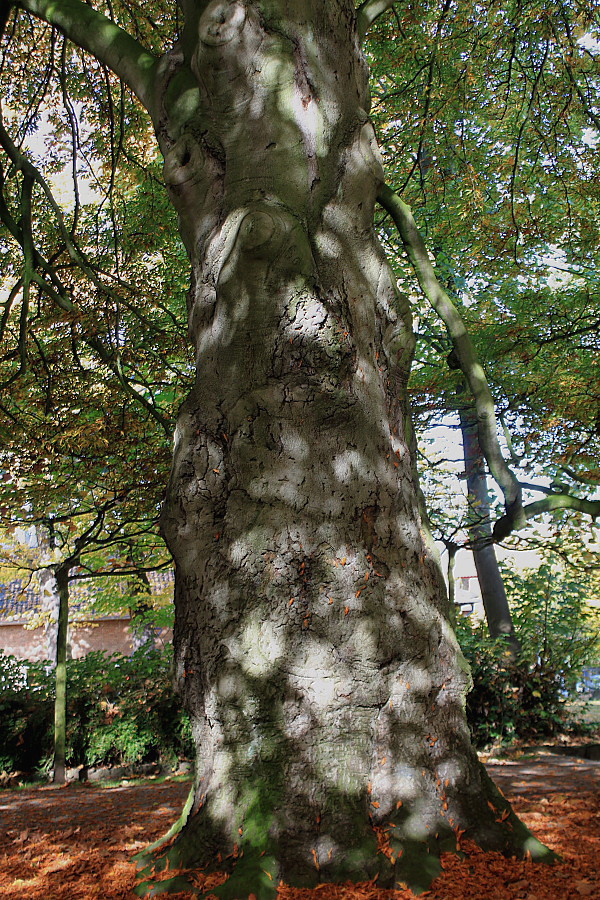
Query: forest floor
x,y
76,843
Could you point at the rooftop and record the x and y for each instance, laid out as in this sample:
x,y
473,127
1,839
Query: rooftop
x,y
20,600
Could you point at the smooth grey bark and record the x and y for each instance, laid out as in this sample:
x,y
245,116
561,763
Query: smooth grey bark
x,y
491,583
50,607
54,601
368,12
48,589
53,583
312,642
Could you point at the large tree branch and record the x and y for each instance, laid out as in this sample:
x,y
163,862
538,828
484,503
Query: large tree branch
x,y
368,12
464,349
111,45
505,525
582,479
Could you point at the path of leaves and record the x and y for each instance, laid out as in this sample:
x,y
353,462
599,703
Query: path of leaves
x,y
76,843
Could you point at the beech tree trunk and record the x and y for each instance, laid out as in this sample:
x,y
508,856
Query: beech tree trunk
x,y
491,583
54,595
451,549
312,639
50,607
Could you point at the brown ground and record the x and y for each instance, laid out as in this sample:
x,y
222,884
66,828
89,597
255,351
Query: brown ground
x,y
75,843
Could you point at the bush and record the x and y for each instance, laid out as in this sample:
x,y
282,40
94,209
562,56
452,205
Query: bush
x,y
120,710
554,620
127,710
509,699
26,714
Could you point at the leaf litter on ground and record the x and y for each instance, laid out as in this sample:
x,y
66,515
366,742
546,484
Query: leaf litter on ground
x,y
77,844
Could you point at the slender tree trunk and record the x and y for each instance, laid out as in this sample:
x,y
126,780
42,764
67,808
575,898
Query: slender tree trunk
x,y
53,581
49,597
50,608
312,641
491,584
60,676
452,550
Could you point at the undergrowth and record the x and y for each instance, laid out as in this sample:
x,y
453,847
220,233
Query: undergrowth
x,y
510,700
120,710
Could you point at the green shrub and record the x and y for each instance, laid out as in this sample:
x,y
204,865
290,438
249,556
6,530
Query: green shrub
x,y
128,710
553,618
26,714
558,632
509,699
120,709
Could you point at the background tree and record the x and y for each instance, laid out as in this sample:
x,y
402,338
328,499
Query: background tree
x,y
80,539
503,132
558,626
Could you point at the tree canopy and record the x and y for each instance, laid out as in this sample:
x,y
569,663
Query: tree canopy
x,y
488,124
489,127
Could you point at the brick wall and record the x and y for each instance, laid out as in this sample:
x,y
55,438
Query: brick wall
x,y
111,635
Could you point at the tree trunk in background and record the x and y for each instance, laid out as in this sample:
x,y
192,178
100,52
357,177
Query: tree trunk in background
x,y
491,584
60,675
53,582
451,550
48,589
312,641
50,609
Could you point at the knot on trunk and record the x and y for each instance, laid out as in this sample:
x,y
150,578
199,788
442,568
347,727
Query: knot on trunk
x,y
221,21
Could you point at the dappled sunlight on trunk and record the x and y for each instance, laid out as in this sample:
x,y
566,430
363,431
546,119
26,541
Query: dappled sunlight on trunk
x,y
313,651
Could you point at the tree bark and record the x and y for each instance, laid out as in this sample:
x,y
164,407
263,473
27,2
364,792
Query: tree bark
x,y
50,608
451,549
53,583
312,641
60,676
491,584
